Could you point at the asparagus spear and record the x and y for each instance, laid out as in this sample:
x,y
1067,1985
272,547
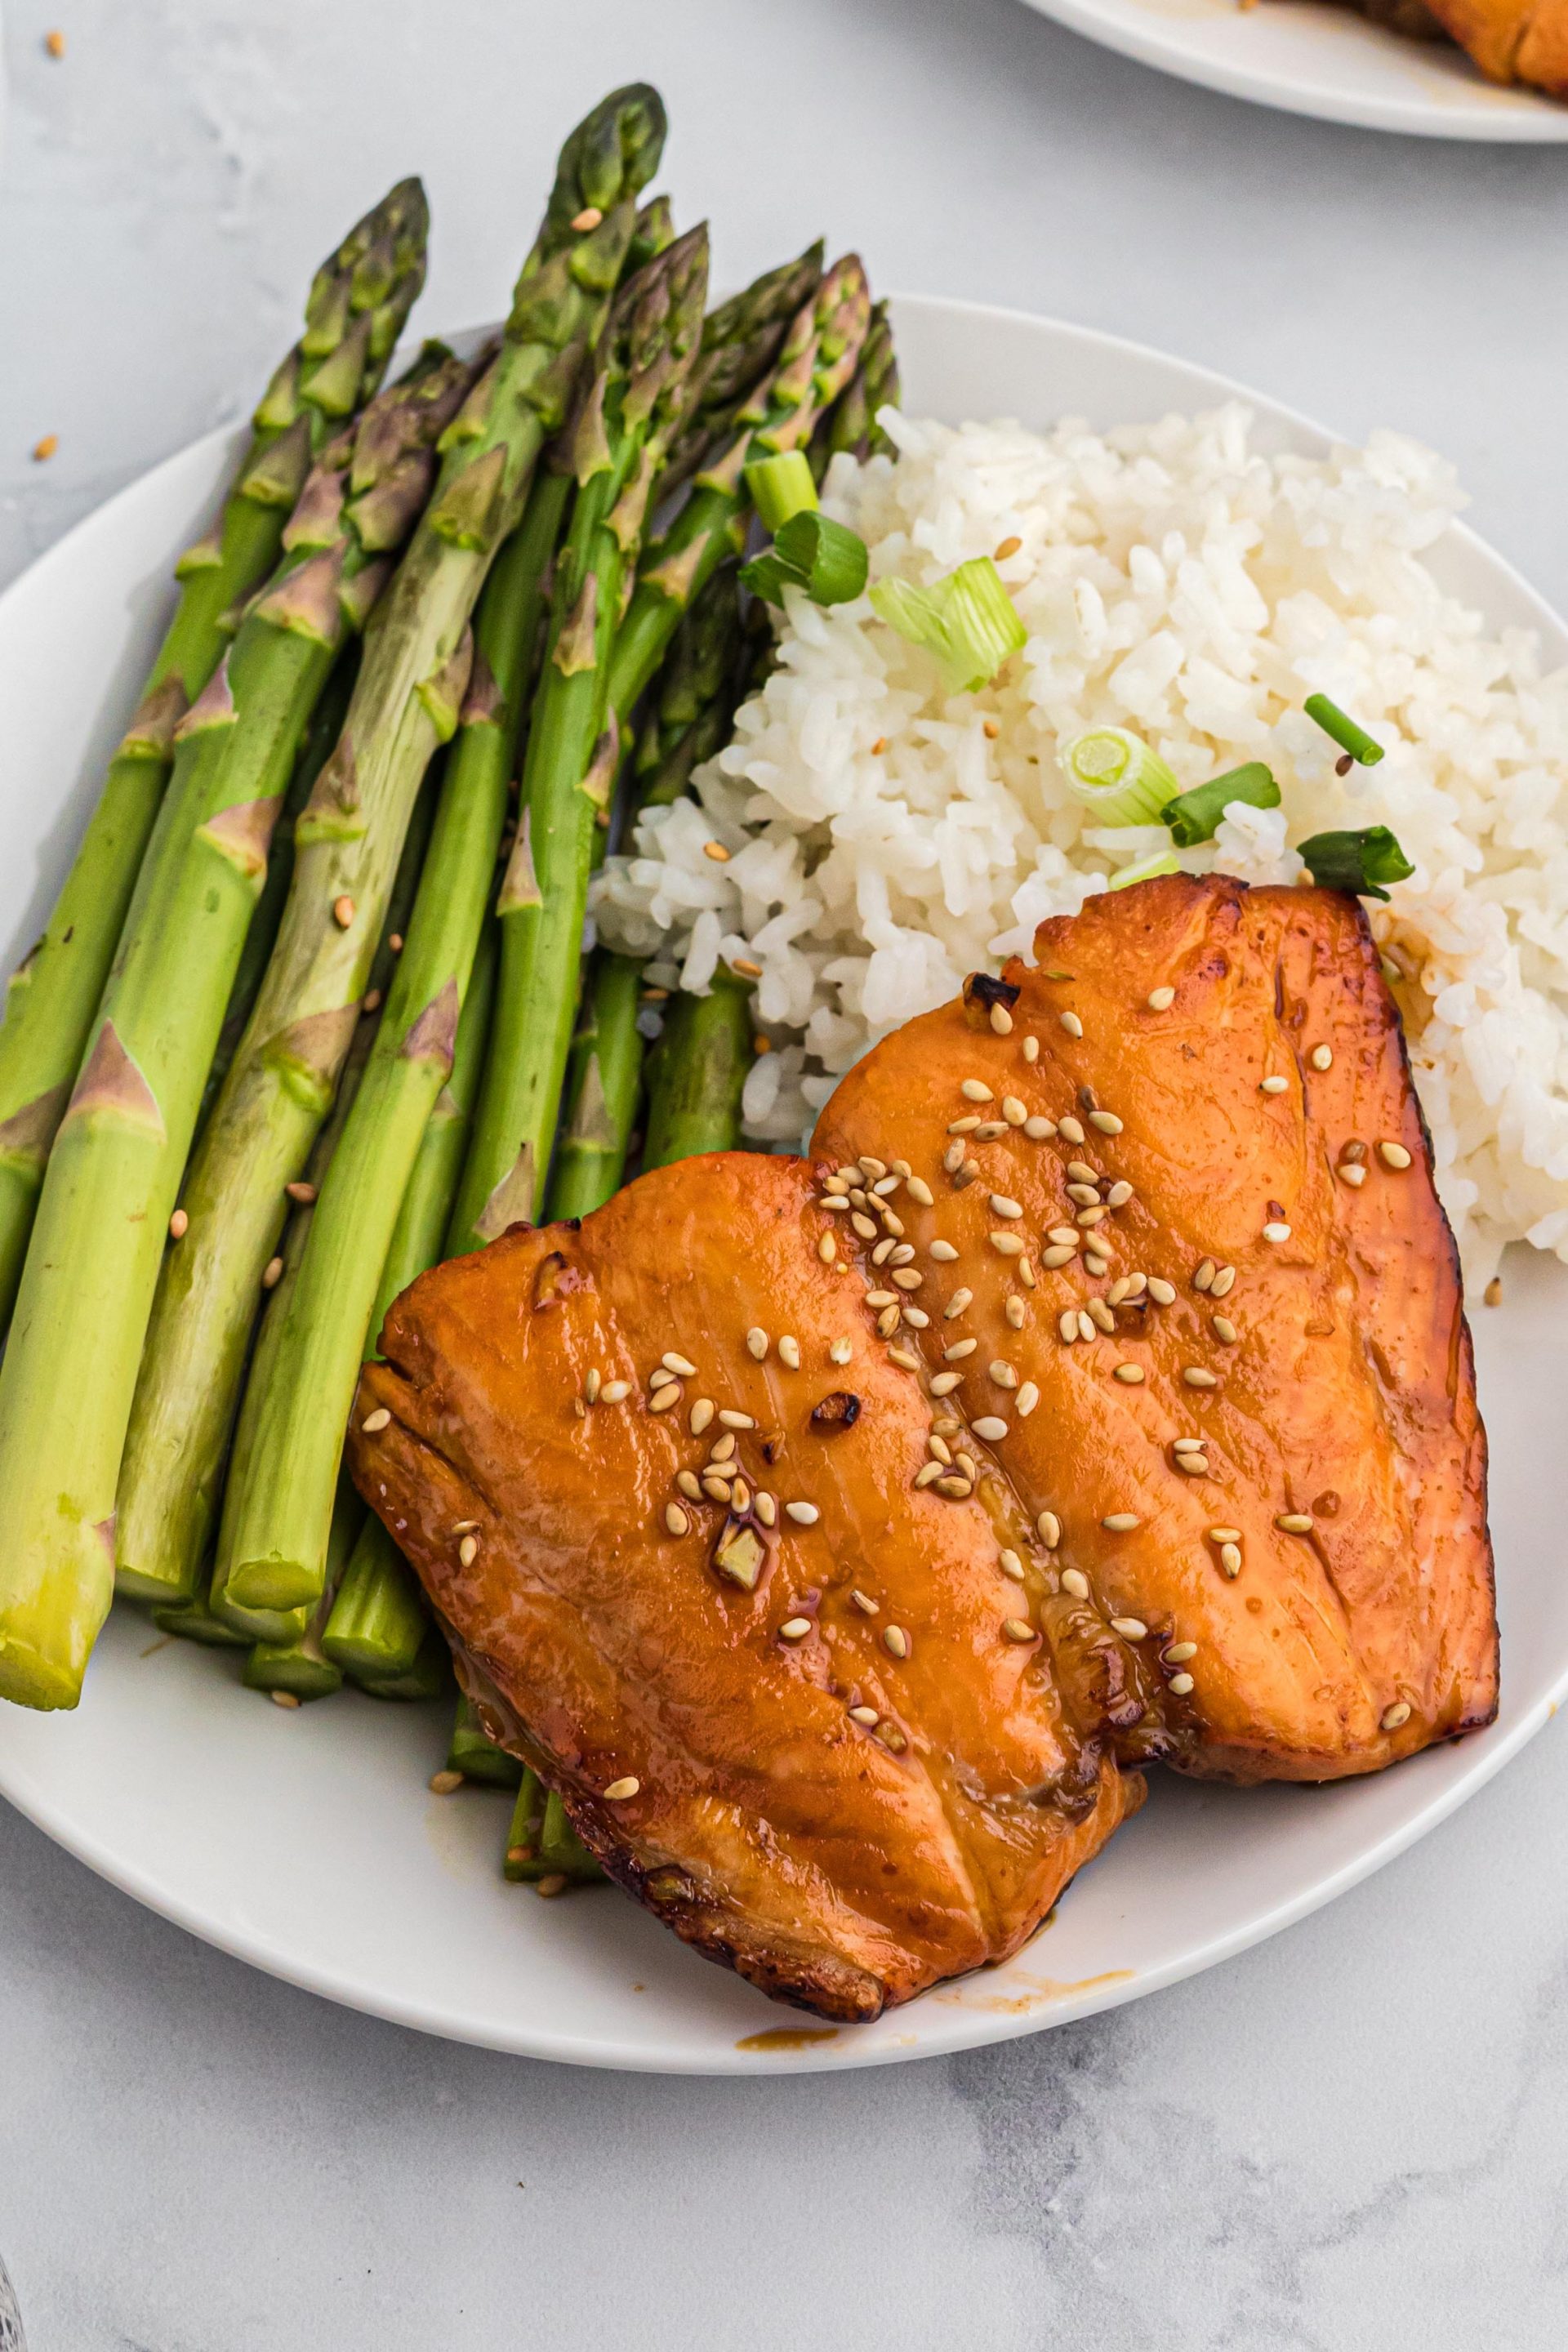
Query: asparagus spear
x,y
428,1677
407,699
619,440
697,1071
542,1849
70,1370
301,1667
851,423
604,1086
476,1755
741,340
361,297
817,361
193,1619
272,1548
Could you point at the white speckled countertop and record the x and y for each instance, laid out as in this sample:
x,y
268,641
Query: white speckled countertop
x,y
1354,2137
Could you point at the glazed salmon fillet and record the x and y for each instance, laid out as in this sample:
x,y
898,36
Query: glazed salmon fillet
x,y
1198,1170
839,1535
791,1697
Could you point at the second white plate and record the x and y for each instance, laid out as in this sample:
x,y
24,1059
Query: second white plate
x,y
1310,57
307,1844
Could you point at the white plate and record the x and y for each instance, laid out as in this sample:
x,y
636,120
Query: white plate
x,y
307,1842
1312,57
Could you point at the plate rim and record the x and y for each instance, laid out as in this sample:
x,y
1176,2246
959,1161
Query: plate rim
x,y
1541,123
1489,1750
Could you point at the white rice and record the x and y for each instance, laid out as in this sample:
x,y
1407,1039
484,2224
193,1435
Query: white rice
x,y
1173,581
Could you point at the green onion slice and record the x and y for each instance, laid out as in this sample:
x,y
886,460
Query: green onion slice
x,y
1164,861
1350,737
781,488
1116,774
966,620
1195,815
812,552
1362,862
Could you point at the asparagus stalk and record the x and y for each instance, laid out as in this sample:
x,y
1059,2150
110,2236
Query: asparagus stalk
x,y
70,1371
476,1755
378,1619
818,357
526,1827
698,687
541,1845
604,1086
741,341
301,1667
361,297
697,1071
408,697
272,1548
851,423
619,440
192,1618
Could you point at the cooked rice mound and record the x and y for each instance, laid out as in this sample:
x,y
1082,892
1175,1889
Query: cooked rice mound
x,y
886,839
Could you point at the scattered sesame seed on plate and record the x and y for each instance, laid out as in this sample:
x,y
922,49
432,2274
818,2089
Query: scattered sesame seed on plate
x,y
440,1784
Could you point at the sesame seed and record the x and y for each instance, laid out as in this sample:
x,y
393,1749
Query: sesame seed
x,y
840,1351
1084,1325
1159,999
1067,1325
716,852
272,1274
1006,1244
794,1629
1276,1231
1163,1294
866,1715
676,1520
1088,1194
615,1392
1273,1086
1063,1238
991,1427
1075,1581
619,1790
905,1359
588,218
804,1515
1003,547
956,1305
959,1348
1119,1195
956,1484
468,1551
1072,1129
865,1226
1100,1314
716,1489
895,1641
836,1206
379,1419
1225,1535
1392,1716
1014,1112
1179,1652
343,911
292,1699
1131,1629
1014,1310
1295,1523
944,1253
179,1226
1132,1374
1230,1559
440,1784
1394,1155
732,1420
1120,1523
944,1383
1204,1273
881,1298
907,1277
757,1343
745,966
1179,1685
1188,1444
975,1090
1071,1024
1028,1399
1038,1128
682,1366
1011,1565
954,1155
592,1384
1193,1466
1048,1528
1352,1173
1017,1630
1106,1120
702,1413
920,1190
1001,1206
1001,1019
689,1484
301,1191
1058,1254
662,1399
1224,1283
1322,1057
1198,1376
827,1249
927,1471
1225,1330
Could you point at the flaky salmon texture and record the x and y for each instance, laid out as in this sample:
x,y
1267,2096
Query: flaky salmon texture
x,y
839,1536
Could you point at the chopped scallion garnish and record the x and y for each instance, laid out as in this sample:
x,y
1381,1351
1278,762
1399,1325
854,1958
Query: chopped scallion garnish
x,y
814,552
781,488
1362,747
1165,861
1362,862
1195,815
966,620
1117,776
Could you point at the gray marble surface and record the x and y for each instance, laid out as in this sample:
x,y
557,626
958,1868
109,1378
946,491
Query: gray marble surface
x,y
1353,2137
